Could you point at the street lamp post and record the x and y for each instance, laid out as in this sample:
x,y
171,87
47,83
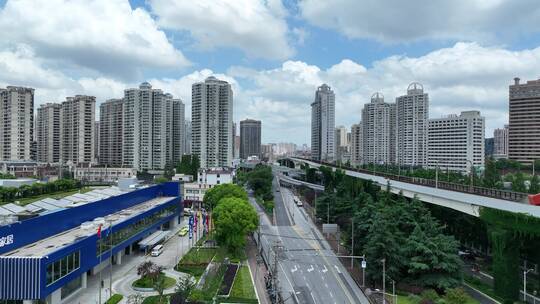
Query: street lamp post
x,y
437,174
525,284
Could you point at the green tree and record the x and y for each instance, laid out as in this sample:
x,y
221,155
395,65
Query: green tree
x,y
432,258
534,188
234,218
184,287
189,164
159,286
168,171
492,177
518,183
213,196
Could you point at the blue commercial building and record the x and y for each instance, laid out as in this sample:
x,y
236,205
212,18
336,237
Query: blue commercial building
x,y
47,258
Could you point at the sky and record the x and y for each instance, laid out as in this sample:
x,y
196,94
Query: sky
x,y
275,53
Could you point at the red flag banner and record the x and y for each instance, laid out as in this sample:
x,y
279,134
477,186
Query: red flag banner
x,y
99,232
534,199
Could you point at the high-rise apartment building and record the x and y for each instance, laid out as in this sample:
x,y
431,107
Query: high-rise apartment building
x,y
455,142
211,122
16,123
357,145
250,138
187,137
150,136
178,129
524,122
111,131
323,125
342,144
77,119
412,113
378,126
500,142
48,132
97,135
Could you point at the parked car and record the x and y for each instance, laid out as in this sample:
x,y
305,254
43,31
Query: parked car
x,y
183,231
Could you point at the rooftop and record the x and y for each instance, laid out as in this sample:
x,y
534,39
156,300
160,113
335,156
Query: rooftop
x,y
86,229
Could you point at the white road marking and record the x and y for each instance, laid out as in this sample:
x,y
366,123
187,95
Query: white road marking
x,y
337,268
295,269
311,268
325,269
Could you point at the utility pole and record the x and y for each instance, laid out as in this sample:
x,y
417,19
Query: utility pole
x,y
383,281
352,241
111,254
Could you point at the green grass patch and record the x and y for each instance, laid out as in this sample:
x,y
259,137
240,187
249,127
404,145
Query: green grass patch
x,y
211,285
194,270
234,257
404,300
155,300
243,286
239,300
55,195
197,256
146,282
114,299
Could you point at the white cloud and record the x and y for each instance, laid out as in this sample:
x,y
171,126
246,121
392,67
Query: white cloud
x,y
404,21
106,36
257,27
466,76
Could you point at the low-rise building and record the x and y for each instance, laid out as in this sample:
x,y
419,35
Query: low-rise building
x,y
103,174
206,179
19,169
50,256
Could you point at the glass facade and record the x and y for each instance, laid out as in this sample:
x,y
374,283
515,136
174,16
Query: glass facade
x,y
125,233
63,267
70,287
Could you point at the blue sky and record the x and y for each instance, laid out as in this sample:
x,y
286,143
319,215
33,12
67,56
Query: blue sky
x,y
276,52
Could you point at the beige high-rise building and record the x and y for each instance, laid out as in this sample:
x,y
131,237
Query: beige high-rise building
x,y
378,126
211,122
455,142
151,139
524,121
500,142
412,113
77,125
357,145
16,123
48,132
111,131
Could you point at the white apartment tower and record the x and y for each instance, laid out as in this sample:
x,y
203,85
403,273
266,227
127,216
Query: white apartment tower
x,y
48,132
412,113
77,119
357,145
111,131
212,120
323,125
178,130
378,126
148,139
500,142
16,123
455,142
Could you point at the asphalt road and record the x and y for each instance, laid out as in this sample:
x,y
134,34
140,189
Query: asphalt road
x,y
308,272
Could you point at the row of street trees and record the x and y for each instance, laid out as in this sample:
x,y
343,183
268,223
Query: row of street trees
x,y
390,227
10,194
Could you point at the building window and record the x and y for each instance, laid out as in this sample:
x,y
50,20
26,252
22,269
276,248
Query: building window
x,y
70,288
63,267
125,233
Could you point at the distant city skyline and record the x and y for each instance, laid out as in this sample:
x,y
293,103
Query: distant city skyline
x,y
288,49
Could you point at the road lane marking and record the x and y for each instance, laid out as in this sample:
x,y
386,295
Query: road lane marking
x,y
325,269
293,270
337,268
310,269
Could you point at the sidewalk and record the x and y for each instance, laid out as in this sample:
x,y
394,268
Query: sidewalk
x,y
258,272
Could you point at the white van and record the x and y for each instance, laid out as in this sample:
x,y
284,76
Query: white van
x,y
157,250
